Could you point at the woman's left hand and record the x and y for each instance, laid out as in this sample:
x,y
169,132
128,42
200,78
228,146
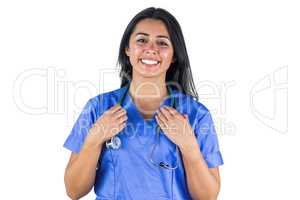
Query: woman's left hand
x,y
176,127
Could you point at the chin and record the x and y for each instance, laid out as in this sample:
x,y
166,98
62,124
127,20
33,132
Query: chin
x,y
149,73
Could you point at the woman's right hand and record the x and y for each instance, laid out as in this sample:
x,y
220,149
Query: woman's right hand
x,y
109,124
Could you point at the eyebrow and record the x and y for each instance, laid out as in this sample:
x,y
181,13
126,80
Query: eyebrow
x,y
146,34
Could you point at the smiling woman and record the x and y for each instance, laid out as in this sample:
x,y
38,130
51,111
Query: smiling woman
x,y
150,48
174,151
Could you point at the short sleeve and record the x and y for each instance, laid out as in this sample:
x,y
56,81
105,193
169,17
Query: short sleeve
x,y
208,141
81,128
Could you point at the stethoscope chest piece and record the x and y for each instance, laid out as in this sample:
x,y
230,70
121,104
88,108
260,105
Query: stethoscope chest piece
x,y
113,143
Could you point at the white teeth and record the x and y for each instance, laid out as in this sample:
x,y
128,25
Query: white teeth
x,y
149,62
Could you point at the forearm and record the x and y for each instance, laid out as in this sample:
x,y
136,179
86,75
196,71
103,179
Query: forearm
x,y
202,185
80,176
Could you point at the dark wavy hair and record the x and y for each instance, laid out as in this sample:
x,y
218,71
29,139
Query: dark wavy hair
x,y
179,73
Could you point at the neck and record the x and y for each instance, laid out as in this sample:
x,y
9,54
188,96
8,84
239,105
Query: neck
x,y
148,90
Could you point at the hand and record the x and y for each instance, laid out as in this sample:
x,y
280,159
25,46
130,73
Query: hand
x,y
176,127
108,125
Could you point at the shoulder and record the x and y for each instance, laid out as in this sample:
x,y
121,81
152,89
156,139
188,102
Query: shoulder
x,y
190,105
105,100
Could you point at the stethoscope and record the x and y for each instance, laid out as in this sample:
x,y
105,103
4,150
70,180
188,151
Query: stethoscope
x,y
115,142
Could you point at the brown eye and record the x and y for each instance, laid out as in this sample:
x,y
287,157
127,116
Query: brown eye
x,y
141,40
162,44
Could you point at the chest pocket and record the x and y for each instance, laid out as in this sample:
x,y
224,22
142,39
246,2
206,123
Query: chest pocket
x,y
164,151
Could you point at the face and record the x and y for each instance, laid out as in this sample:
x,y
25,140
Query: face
x,y
150,49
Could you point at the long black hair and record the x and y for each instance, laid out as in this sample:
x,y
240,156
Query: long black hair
x,y
179,73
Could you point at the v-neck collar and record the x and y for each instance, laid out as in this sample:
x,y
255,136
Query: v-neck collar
x,y
134,115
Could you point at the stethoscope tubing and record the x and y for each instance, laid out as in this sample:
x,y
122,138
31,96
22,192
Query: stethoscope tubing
x,y
115,142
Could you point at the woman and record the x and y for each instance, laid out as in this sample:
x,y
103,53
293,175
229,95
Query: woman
x,y
151,138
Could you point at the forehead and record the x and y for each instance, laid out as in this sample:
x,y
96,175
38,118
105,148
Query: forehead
x,y
151,27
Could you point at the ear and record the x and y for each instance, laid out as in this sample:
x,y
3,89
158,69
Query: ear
x,y
127,51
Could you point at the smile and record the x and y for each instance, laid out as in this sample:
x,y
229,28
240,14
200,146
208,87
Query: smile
x,y
149,62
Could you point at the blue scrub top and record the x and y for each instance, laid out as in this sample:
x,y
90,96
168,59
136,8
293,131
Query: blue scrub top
x,y
127,173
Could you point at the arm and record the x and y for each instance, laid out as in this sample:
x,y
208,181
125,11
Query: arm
x,y
80,172
203,182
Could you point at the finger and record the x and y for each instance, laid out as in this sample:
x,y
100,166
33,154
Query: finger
x,y
120,113
162,120
115,108
162,116
175,113
171,110
122,126
122,119
165,113
160,123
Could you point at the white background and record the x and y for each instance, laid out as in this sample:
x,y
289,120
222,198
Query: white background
x,y
52,55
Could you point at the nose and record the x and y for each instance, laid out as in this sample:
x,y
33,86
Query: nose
x,y
151,49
